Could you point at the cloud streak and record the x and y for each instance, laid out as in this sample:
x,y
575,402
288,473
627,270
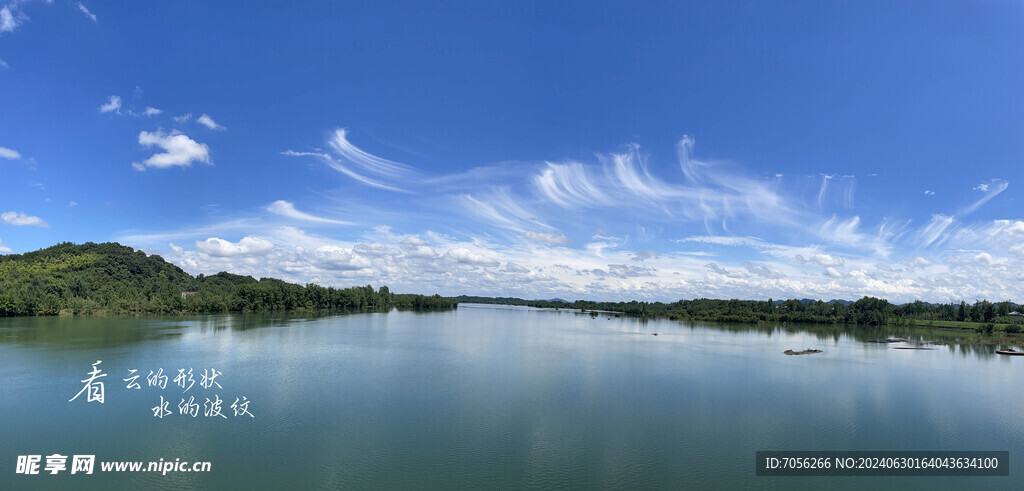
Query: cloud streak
x,y
508,229
208,122
569,186
368,169
287,209
991,190
84,10
9,154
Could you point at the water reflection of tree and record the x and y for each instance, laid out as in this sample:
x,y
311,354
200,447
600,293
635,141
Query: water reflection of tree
x,y
106,332
954,340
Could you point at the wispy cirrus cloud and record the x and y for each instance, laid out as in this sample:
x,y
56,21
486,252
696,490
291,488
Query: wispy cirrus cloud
x,y
825,179
85,10
569,186
934,231
847,232
501,209
287,209
990,190
508,229
368,168
361,166
709,192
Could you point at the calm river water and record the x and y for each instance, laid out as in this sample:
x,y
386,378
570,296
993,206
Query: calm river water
x,y
490,397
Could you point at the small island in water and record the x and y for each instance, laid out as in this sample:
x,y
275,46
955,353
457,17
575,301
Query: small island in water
x,y
804,352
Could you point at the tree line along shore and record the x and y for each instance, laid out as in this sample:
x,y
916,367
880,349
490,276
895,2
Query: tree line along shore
x,y
109,278
982,315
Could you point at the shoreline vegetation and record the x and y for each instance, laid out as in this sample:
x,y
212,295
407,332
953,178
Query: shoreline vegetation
x,y
983,322
866,311
112,279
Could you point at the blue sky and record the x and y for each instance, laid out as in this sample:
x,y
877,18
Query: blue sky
x,y
594,150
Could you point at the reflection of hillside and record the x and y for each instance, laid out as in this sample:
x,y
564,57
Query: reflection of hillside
x,y
72,333
106,332
954,341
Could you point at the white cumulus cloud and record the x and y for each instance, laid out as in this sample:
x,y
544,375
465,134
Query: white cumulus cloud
x,y
821,259
340,259
18,218
9,153
463,255
179,150
8,21
1016,229
920,262
248,246
556,239
113,105
208,122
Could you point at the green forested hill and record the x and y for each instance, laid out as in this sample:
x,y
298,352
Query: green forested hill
x,y
112,278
